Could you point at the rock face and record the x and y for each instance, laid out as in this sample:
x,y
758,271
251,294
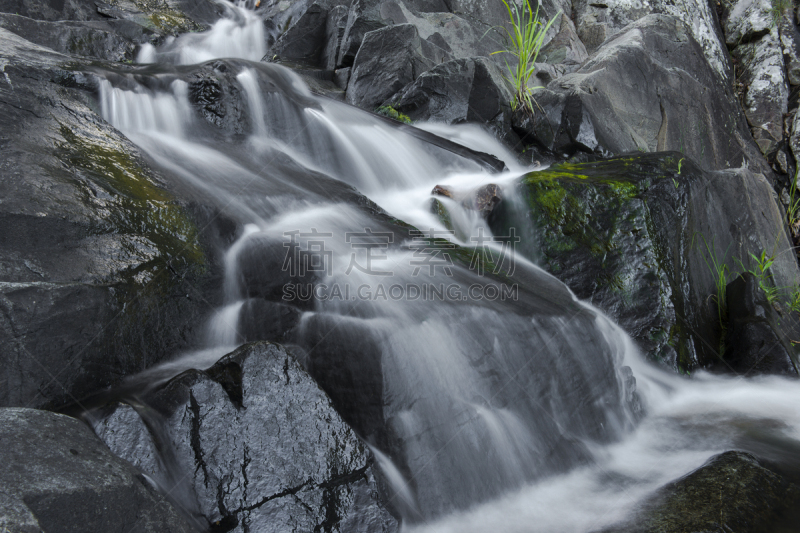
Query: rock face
x,y
630,234
388,60
100,266
755,342
674,101
599,21
462,90
732,492
756,43
58,477
262,446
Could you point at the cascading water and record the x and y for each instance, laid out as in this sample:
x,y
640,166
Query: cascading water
x,y
520,407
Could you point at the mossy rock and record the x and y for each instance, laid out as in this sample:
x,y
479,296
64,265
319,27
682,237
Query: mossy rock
x,y
732,493
625,233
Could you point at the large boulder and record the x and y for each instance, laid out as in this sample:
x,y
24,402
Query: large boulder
x,y
58,477
597,22
389,59
114,40
458,91
733,492
102,271
637,236
675,101
258,444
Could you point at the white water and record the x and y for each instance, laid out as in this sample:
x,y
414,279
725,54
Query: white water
x,y
481,440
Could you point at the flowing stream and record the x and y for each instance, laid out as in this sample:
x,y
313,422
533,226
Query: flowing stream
x,y
492,411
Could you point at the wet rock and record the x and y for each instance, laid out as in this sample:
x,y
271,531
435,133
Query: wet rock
x,y
755,342
228,429
112,40
599,21
60,477
732,492
165,17
389,59
676,101
305,40
462,90
96,254
51,10
629,235
482,200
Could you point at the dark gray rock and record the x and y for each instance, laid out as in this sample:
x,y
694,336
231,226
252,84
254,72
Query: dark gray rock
x,y
93,284
630,236
733,492
565,47
113,40
334,33
674,101
462,90
389,59
51,10
305,40
58,477
362,18
165,17
261,446
755,342
599,21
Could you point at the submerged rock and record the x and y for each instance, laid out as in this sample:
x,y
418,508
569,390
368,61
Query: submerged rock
x,y
636,235
260,445
59,477
732,493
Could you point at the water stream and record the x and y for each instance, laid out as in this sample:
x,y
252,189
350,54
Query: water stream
x,y
493,413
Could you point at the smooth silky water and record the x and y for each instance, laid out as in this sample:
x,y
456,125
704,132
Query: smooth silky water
x,y
493,415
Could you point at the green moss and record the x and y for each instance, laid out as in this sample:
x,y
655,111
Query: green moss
x,y
389,111
140,206
441,212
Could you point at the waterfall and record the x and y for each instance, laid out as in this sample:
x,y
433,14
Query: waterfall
x,y
490,414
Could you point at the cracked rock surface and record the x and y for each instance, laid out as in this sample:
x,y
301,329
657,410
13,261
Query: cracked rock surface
x,y
263,448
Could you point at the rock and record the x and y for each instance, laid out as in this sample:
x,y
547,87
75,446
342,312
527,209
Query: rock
x,y
165,17
334,33
483,199
675,102
60,477
755,342
342,77
747,20
51,10
305,40
361,19
261,444
94,282
565,47
790,41
766,96
629,235
389,59
462,90
732,492
599,21
114,40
